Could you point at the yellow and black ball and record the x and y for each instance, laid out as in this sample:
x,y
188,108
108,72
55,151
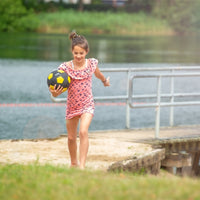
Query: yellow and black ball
x,y
58,77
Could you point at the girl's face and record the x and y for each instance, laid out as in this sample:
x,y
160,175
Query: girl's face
x,y
79,54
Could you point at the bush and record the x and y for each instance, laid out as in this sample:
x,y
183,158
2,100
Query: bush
x,y
15,17
182,15
139,5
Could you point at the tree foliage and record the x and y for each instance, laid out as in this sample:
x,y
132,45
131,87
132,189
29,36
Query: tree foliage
x,y
139,5
182,15
15,17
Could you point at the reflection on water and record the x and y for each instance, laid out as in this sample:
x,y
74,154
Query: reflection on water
x,y
163,49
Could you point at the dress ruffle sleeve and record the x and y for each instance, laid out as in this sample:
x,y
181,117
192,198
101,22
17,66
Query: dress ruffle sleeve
x,y
93,63
80,74
65,67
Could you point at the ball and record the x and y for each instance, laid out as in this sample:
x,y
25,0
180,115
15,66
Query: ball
x,y
58,77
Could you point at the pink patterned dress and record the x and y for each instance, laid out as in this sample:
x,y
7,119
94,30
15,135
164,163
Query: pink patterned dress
x,y
80,97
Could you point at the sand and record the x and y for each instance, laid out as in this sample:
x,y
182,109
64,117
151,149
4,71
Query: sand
x,y
102,151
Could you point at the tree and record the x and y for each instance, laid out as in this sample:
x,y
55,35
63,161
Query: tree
x,y
180,14
80,5
15,17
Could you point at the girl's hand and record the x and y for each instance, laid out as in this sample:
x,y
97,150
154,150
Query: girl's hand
x,y
106,82
56,92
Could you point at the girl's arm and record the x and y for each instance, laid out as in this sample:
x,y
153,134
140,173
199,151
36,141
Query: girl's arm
x,y
100,76
55,92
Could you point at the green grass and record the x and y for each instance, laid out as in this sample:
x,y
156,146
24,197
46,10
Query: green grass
x,y
102,23
48,182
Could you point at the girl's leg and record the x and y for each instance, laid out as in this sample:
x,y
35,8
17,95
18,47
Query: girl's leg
x,y
71,125
86,119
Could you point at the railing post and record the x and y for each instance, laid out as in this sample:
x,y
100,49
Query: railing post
x,y
127,101
171,119
157,121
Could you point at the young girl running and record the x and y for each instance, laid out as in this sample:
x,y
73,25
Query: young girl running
x,y
80,103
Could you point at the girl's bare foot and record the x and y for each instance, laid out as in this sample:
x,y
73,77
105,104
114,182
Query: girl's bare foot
x,y
74,166
81,167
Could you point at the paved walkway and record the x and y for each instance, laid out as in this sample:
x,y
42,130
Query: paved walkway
x,y
147,135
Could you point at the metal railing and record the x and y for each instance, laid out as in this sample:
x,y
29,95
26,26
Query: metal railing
x,y
155,73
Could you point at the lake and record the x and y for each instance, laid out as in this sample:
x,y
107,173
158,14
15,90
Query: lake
x,y
26,110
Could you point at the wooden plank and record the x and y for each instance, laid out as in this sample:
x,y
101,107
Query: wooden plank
x,y
149,163
195,164
177,160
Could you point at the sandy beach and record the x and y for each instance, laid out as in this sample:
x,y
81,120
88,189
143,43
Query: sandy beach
x,y
103,151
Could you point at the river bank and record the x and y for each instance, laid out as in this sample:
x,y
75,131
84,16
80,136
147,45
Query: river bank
x,y
106,147
102,23
102,152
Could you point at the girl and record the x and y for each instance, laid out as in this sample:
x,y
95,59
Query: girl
x,y
80,103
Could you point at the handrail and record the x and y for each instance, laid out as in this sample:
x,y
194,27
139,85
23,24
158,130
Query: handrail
x,y
155,72
158,103
96,98
129,70
146,105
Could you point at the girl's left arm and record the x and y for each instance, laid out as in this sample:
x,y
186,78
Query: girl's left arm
x,y
99,75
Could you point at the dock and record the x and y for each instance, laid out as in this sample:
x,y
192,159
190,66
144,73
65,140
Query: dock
x,y
177,150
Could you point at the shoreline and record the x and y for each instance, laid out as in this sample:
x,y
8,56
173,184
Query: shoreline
x,y
102,153
107,149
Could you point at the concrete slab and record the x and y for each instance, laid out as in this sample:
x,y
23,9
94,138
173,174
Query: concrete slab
x,y
148,135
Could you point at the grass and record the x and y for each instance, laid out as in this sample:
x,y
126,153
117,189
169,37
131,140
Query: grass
x,y
31,182
102,23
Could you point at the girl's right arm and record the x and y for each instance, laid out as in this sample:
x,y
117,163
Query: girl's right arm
x,y
56,92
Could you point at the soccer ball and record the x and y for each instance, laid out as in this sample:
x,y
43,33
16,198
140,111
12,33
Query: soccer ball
x,y
58,77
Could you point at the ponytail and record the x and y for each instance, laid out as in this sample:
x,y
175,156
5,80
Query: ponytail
x,y
78,40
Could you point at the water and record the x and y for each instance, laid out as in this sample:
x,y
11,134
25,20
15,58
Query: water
x,y
26,110
163,49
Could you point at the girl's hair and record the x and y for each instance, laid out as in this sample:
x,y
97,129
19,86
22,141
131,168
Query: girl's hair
x,y
78,40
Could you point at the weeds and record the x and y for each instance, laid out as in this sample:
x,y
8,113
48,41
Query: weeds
x,y
30,182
